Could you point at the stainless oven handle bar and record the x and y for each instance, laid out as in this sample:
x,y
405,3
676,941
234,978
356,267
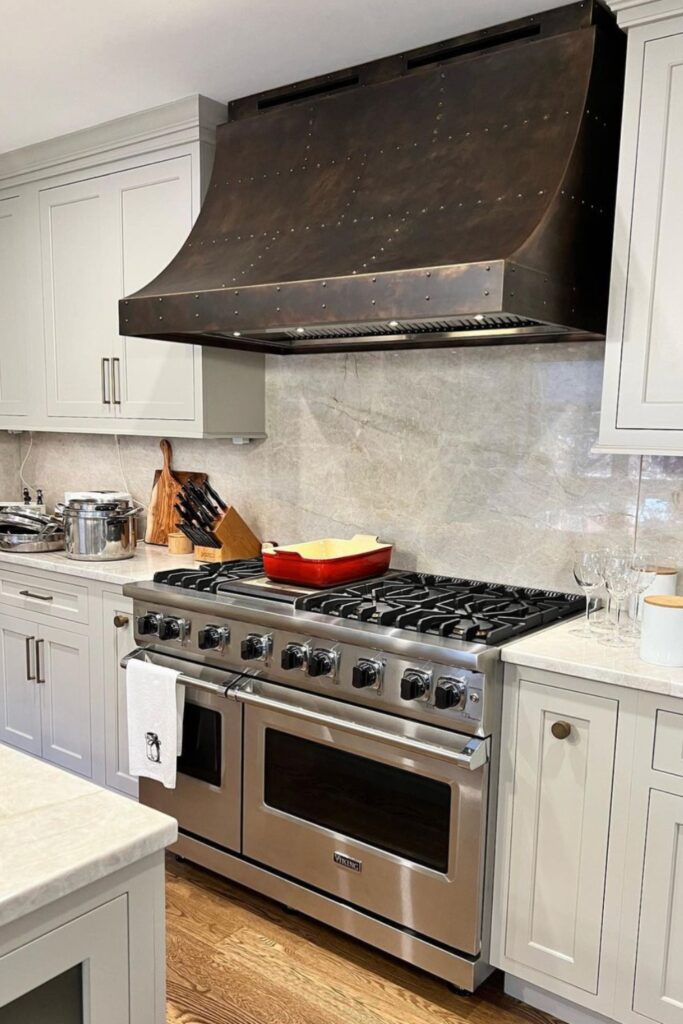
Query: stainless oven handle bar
x,y
474,755
198,684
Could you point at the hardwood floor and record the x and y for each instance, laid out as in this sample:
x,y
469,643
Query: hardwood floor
x,y
237,958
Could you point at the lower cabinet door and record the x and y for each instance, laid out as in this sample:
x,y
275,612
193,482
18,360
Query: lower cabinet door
x,y
658,991
119,640
564,763
19,691
73,975
63,673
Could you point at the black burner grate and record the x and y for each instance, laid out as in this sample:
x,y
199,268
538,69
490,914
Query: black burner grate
x,y
209,578
463,609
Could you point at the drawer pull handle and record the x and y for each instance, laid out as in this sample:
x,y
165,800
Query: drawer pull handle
x,y
37,597
40,678
561,730
29,677
120,621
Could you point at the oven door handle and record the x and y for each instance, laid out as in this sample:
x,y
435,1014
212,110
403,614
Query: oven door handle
x,y
220,688
474,755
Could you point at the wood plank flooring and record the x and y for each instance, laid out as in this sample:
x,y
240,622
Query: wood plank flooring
x,y
236,958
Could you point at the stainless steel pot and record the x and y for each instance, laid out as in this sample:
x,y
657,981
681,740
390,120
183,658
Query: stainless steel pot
x,y
99,531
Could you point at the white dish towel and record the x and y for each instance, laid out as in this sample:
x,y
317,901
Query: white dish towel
x,y
155,703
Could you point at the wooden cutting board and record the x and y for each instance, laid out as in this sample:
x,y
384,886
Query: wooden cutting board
x,y
161,516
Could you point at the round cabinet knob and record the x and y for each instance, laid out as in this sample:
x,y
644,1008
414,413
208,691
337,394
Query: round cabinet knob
x,y
366,673
211,638
449,693
292,656
560,730
147,625
414,684
120,621
169,628
320,663
253,647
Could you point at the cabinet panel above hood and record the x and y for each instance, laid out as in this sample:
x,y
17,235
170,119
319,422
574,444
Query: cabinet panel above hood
x,y
459,194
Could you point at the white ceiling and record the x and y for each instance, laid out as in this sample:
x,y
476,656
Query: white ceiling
x,y
72,63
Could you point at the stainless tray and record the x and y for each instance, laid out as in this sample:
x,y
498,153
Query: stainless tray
x,y
22,542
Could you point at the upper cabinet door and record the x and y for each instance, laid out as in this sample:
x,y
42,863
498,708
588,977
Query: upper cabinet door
x,y
15,301
651,393
560,829
153,379
643,389
80,289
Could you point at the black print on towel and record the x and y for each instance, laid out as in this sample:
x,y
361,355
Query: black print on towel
x,y
153,745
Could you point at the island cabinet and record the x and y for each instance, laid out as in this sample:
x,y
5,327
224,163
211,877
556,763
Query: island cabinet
x,y
85,220
642,408
588,894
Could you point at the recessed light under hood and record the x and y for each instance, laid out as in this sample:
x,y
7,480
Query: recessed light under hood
x,y
459,194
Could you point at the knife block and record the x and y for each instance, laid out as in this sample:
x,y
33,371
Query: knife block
x,y
237,540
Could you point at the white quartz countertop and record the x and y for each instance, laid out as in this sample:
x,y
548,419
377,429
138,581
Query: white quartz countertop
x,y
557,650
59,833
147,560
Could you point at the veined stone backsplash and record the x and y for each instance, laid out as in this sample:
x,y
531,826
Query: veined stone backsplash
x,y
474,462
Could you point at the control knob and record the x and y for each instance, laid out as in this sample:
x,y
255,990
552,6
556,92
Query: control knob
x,y
293,656
366,673
449,693
171,628
213,638
414,684
321,663
147,625
255,647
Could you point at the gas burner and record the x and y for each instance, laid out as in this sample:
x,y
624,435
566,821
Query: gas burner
x,y
210,578
468,610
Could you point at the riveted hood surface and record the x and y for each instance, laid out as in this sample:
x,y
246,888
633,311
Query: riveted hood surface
x,y
458,194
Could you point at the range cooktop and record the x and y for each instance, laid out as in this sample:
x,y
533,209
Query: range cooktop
x,y
468,610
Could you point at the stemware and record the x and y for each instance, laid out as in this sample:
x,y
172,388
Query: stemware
x,y
587,569
643,575
618,573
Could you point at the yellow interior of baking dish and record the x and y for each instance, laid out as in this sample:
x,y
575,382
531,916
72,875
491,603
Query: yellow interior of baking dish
x,y
330,547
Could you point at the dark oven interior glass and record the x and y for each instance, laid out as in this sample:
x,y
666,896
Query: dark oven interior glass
x,y
395,810
200,756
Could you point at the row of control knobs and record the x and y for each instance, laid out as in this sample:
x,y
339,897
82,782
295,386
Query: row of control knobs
x,y
367,672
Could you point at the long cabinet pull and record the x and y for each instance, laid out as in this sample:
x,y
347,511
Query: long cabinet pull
x,y
36,597
29,678
116,380
106,393
40,678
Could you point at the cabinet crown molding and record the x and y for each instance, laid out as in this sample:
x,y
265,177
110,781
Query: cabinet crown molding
x,y
631,13
190,119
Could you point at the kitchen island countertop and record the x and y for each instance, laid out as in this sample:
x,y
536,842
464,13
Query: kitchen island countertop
x,y
558,650
60,833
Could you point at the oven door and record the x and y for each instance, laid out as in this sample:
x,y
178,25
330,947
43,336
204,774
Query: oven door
x,y
384,814
207,798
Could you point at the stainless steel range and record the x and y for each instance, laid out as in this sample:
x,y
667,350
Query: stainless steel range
x,y
339,746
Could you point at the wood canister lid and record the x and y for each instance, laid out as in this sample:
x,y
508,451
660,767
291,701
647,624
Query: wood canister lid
x,y
662,570
665,600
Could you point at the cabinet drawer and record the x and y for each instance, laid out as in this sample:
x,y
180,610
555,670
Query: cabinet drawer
x,y
45,595
668,752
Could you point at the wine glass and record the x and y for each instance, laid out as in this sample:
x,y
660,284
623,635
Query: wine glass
x,y
618,573
644,575
587,571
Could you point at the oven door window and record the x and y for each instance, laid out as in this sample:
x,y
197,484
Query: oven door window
x,y
200,756
375,803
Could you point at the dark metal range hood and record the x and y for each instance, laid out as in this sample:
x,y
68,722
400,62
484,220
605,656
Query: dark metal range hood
x,y
459,194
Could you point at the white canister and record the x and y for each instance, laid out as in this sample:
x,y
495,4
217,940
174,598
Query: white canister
x,y
661,640
665,582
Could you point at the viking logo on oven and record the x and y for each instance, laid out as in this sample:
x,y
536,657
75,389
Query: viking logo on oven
x,y
348,862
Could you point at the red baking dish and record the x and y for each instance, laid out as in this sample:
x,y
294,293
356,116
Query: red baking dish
x,y
324,563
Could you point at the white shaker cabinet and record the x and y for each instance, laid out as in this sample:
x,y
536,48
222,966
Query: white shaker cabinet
x,y
95,216
20,724
80,293
118,640
658,992
642,408
16,312
559,810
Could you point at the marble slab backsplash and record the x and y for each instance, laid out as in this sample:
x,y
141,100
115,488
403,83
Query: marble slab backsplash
x,y
474,462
